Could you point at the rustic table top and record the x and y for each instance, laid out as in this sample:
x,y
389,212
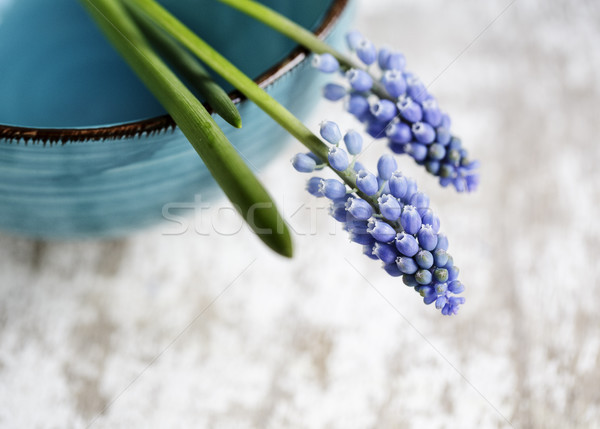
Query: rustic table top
x,y
194,330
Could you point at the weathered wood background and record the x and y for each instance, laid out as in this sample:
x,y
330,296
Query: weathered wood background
x,y
213,331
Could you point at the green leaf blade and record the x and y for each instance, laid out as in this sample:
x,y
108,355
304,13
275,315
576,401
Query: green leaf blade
x,y
225,164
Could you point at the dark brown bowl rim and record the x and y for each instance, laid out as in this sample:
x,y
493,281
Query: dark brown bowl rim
x,y
165,122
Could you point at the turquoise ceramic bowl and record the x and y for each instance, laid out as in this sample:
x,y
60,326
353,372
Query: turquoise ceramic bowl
x,y
85,151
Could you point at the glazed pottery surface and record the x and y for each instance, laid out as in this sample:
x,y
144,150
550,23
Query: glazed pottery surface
x,y
86,151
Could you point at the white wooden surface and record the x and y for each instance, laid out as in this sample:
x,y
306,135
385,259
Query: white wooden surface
x,y
162,331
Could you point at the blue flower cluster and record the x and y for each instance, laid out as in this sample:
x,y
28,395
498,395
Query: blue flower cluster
x,y
388,216
398,106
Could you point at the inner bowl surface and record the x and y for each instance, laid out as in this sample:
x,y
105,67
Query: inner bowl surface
x,y
57,71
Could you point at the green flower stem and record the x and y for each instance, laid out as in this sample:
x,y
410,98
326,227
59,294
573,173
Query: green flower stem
x,y
302,36
244,84
225,164
191,69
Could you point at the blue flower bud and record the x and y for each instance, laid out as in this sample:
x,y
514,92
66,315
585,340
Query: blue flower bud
x,y
386,252
394,83
436,152
314,187
447,171
443,136
368,251
416,89
450,262
353,142
410,220
382,56
453,273
359,80
453,156
429,299
338,158
363,238
353,38
397,148
392,269
395,61
410,110
440,274
338,211
334,92
440,288
431,113
424,259
398,185
381,231
417,151
406,265
367,182
359,166
429,218
303,163
356,226
407,244
420,200
427,238
440,302
440,257
325,63
446,122
455,143
358,106
366,52
423,132
398,132
423,277
375,128
432,167
409,280
411,189
442,242
389,207
456,287
384,110
330,132
359,208
386,166
333,189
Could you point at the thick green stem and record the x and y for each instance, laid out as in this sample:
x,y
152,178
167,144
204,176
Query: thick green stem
x,y
225,164
190,68
244,84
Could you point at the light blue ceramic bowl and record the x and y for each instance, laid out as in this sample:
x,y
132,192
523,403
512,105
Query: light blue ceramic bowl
x,y
86,151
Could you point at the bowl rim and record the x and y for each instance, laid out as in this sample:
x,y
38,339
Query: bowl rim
x,y
165,122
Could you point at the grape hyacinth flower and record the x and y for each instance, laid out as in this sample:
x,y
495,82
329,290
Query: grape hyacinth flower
x,y
395,104
389,217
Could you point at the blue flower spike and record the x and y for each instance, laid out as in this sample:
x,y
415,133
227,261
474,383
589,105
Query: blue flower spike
x,y
389,217
418,128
